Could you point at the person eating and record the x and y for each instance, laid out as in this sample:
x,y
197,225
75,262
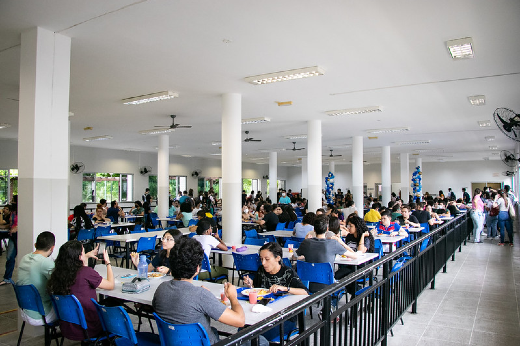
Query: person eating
x,y
161,262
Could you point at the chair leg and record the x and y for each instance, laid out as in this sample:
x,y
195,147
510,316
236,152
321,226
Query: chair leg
x,y
21,333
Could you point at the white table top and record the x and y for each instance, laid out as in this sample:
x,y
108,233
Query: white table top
x,y
362,258
132,216
446,217
281,234
389,239
215,289
122,224
168,219
413,229
133,237
251,249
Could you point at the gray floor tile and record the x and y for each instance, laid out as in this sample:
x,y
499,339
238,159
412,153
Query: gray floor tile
x,y
503,328
402,340
448,334
493,339
436,342
452,321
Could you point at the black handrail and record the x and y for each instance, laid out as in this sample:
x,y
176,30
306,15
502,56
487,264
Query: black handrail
x,y
367,318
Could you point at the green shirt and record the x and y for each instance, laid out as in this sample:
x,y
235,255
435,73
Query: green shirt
x,y
35,269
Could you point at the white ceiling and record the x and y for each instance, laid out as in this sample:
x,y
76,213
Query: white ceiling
x,y
375,53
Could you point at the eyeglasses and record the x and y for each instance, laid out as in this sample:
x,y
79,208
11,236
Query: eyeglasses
x,y
168,239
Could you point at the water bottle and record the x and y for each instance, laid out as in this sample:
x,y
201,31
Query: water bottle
x,y
142,268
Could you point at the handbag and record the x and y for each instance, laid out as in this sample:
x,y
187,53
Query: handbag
x,y
511,209
494,211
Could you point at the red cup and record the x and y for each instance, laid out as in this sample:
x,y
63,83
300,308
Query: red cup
x,y
223,297
233,248
253,297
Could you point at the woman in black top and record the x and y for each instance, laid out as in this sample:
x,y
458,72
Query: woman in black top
x,y
80,220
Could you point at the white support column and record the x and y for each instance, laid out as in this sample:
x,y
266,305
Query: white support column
x,y
43,137
357,173
231,168
332,168
273,176
386,175
163,175
314,165
418,162
405,176
305,192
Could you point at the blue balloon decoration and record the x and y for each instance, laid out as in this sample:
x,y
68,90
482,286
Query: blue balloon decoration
x,y
329,188
417,183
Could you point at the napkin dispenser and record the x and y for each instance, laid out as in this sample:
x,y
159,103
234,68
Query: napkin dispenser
x,y
136,286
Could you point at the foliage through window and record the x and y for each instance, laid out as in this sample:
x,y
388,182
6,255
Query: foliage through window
x,y
8,185
177,184
110,186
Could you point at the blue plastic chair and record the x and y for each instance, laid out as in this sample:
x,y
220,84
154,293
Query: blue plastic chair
x,y
424,244
181,334
251,233
193,222
245,264
146,245
115,321
426,229
254,241
290,225
319,273
69,309
297,239
280,226
102,231
138,229
155,222
29,298
267,238
207,266
296,244
192,234
86,234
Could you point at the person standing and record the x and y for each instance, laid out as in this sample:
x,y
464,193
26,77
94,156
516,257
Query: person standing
x,y
477,215
504,220
492,215
12,247
465,196
146,194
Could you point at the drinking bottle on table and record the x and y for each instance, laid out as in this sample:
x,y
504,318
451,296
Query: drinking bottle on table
x,y
142,268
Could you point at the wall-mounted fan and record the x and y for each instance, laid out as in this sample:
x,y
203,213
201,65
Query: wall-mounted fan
x,y
265,177
145,170
509,158
508,173
331,154
508,122
77,167
250,139
294,147
196,173
174,126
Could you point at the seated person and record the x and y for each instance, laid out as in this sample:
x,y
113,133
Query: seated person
x,y
387,227
406,219
275,276
99,218
245,214
137,209
422,215
185,213
302,228
453,209
270,219
72,275
80,220
396,211
161,262
350,207
203,215
115,211
435,216
337,227
178,301
373,215
209,241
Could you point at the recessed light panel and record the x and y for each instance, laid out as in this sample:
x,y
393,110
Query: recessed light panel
x,y
484,123
477,100
352,111
216,143
490,138
389,130
156,131
255,120
4,125
461,48
493,147
97,138
418,142
295,137
285,75
159,96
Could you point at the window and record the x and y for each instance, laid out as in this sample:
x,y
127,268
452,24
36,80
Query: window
x,y
177,184
8,185
110,186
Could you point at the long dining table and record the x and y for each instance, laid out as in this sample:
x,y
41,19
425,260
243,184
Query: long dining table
x,y
215,288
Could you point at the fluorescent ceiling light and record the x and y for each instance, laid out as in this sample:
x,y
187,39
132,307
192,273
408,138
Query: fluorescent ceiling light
x,y
97,138
372,153
344,146
352,111
461,48
258,158
418,142
156,131
295,137
390,130
271,150
493,147
217,154
216,143
4,125
438,155
495,153
285,75
490,138
486,158
132,149
437,150
477,100
170,147
255,120
159,96
484,123
186,156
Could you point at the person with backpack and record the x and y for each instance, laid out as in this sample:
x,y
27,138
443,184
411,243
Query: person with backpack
x,y
492,210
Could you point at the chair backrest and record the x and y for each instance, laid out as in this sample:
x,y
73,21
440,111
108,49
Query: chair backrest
x,y
249,262
69,309
193,222
115,320
268,238
321,273
297,239
155,222
287,262
181,334
426,226
103,231
290,224
29,298
86,234
296,244
111,218
251,233
153,215
146,243
399,263
206,266
378,247
192,234
424,244
254,241
138,229
280,226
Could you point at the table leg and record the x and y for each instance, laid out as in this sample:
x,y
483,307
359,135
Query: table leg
x,y
127,248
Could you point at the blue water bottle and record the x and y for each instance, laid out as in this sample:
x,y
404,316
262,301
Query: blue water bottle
x,y
142,268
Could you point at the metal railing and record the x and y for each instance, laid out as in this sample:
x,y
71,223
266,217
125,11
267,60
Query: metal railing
x,y
370,315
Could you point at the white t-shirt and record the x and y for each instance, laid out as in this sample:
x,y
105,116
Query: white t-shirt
x,y
348,211
208,242
502,204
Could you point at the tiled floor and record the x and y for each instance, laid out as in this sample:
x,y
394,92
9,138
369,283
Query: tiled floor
x,y
475,303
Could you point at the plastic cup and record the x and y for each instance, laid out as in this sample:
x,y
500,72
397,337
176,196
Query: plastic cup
x,y
223,297
290,246
233,248
253,297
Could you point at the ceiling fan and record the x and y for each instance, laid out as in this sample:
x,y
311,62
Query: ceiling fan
x,y
331,154
250,139
508,122
294,147
174,126
508,158
508,173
